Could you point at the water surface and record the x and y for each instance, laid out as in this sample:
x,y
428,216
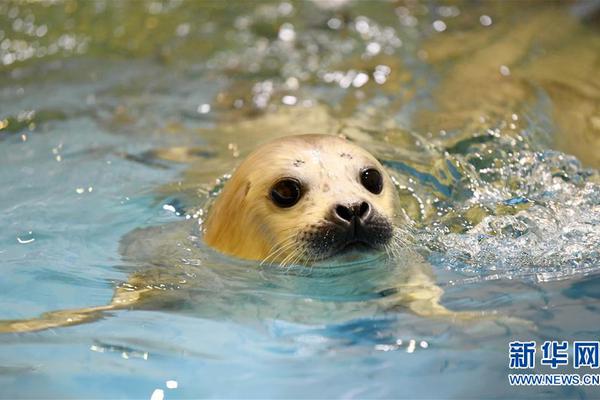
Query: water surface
x,y
118,116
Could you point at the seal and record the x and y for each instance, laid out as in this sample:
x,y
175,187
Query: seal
x,y
305,198
294,200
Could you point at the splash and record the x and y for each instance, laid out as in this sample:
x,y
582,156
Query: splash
x,y
517,213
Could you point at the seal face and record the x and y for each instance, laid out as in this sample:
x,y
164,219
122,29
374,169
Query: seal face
x,y
304,198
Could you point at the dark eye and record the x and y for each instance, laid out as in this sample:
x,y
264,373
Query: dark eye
x,y
371,179
286,192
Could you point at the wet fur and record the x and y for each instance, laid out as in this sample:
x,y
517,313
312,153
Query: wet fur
x,y
246,224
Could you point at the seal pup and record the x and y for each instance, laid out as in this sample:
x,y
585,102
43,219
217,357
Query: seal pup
x,y
304,198
294,200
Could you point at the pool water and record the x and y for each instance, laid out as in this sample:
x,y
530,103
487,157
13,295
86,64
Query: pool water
x,y
120,117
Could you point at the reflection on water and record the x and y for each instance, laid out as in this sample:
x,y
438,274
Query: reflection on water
x,y
123,115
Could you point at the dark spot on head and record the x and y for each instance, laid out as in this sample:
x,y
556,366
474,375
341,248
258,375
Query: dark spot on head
x,y
247,188
346,155
298,163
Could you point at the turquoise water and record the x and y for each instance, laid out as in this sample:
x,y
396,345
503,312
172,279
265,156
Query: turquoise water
x,y
137,125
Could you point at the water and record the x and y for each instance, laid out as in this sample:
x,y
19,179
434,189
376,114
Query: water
x,y
119,117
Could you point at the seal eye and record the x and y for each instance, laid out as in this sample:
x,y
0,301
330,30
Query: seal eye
x,y
371,179
286,192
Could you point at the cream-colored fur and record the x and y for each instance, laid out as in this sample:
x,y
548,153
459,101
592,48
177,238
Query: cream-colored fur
x,y
245,223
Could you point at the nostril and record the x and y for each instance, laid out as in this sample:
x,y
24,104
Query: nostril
x,y
364,209
358,210
344,212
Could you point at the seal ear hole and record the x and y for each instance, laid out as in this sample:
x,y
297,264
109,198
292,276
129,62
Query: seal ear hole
x,y
372,180
286,192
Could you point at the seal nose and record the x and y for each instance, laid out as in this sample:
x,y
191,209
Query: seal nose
x,y
360,211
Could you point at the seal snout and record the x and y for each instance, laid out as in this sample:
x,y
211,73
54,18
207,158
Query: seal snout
x,y
357,224
348,215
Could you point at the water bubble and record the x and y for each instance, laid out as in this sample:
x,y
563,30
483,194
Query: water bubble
x,y
155,7
485,20
439,25
360,79
334,23
242,22
381,73
409,21
8,59
158,394
289,100
347,79
171,384
448,11
41,30
183,29
285,8
286,32
411,346
373,48
17,24
362,25
203,108
292,83
13,12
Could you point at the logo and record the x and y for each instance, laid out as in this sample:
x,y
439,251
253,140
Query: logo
x,y
582,355
522,355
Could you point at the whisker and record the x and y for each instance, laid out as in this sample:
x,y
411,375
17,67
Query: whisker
x,y
285,246
288,258
298,256
282,245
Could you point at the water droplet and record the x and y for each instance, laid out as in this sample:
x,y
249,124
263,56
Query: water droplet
x,y
373,48
439,25
485,20
334,23
286,32
360,79
168,207
292,83
171,384
158,394
411,346
289,100
183,29
285,8
203,108
362,25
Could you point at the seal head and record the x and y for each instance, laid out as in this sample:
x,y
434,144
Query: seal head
x,y
302,199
